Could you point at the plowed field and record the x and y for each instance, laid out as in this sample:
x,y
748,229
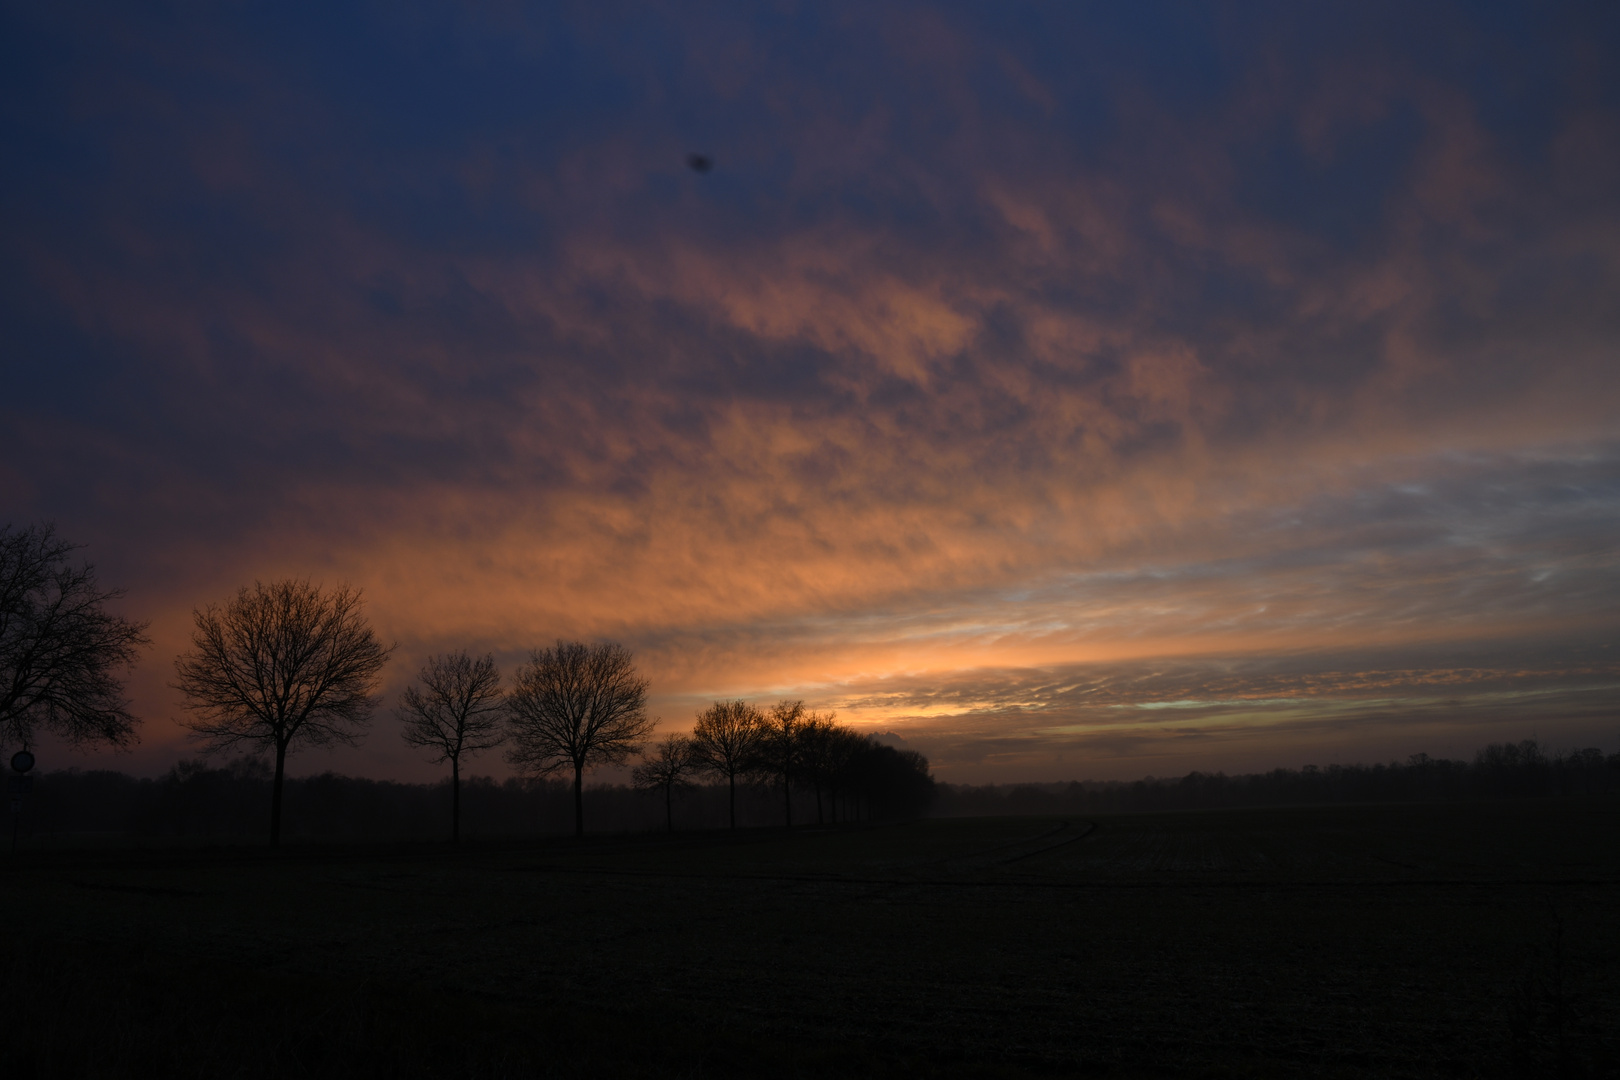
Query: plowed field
x,y
1396,941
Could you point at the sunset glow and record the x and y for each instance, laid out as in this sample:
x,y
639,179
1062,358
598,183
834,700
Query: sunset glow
x,y
1068,394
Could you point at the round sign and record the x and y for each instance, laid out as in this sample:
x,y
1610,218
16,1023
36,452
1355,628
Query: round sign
x,y
22,761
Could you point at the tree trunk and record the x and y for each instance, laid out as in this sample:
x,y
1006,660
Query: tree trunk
x,y
275,795
669,807
579,799
787,796
455,800
732,777
820,817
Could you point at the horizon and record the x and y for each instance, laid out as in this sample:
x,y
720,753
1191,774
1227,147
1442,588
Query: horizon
x,y
1070,394
619,776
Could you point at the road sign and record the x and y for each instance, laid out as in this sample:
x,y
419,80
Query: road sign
x,y
22,761
21,785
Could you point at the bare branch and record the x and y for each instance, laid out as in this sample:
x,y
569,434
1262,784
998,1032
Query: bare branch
x,y
59,647
576,706
668,764
458,709
781,748
281,665
726,740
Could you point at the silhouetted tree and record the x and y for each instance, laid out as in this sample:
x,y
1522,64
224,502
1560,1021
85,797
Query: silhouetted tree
x,y
59,646
843,752
576,705
725,741
893,782
1520,768
816,753
668,766
781,747
459,710
280,665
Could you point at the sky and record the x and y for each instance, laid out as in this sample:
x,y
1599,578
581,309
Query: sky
x,y
1066,390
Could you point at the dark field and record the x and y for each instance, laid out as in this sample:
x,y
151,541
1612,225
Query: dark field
x,y
1434,940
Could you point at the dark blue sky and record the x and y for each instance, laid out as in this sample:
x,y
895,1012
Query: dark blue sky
x,y
1258,358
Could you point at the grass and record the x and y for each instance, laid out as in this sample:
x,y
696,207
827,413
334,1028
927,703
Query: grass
x,y
1445,940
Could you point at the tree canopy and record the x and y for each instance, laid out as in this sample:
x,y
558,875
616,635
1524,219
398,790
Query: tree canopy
x,y
281,665
669,765
726,741
576,706
458,710
59,646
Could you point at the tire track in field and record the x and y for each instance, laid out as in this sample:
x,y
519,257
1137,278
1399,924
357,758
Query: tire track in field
x,y
1014,851
1091,827
989,856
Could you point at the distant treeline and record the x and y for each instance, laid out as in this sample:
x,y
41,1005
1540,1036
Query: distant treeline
x,y
1522,770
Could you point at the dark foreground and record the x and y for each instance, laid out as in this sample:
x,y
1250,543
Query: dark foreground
x,y
1443,940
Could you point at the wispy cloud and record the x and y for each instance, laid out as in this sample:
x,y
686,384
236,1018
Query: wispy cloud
x,y
994,343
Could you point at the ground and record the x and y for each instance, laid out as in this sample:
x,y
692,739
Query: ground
x,y
1436,940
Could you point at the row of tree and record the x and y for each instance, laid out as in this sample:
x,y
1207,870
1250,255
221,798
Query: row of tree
x,y
286,664
790,749
228,801
574,707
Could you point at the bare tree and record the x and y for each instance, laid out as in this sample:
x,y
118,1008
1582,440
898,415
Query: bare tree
x,y
458,711
849,750
59,646
669,765
579,706
725,741
829,753
781,748
281,665
818,739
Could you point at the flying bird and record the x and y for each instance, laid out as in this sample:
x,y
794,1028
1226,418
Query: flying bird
x,y
699,163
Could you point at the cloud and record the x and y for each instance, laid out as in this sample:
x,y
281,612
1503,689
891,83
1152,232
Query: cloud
x,y
990,345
